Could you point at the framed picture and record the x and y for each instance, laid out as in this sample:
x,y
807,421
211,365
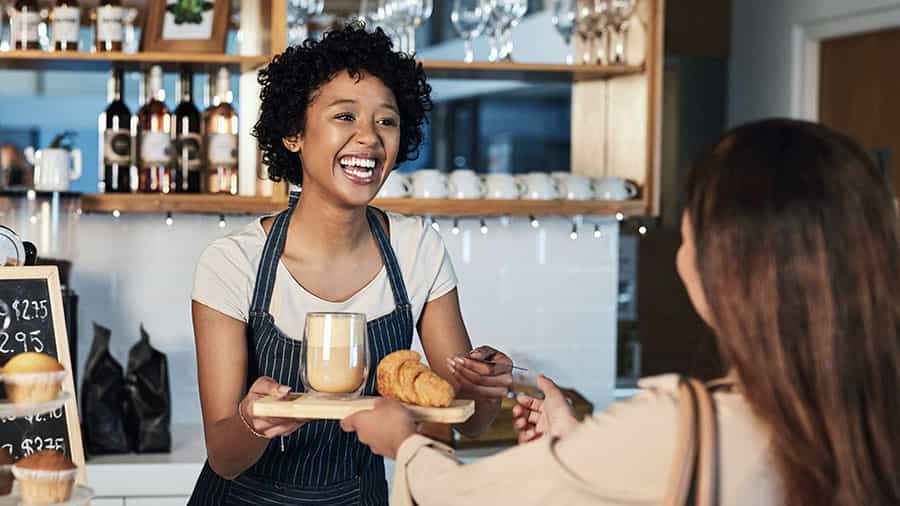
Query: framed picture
x,y
191,26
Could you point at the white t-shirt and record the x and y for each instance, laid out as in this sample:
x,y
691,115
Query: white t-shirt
x,y
226,275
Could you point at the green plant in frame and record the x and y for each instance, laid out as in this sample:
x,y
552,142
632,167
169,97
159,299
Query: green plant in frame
x,y
189,11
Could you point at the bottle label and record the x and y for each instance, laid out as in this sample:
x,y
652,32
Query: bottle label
x,y
187,150
116,147
25,26
109,23
155,148
66,22
223,149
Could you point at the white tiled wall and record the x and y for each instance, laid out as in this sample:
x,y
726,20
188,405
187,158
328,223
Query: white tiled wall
x,y
546,299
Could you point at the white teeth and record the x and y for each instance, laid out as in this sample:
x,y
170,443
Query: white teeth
x,y
360,173
352,161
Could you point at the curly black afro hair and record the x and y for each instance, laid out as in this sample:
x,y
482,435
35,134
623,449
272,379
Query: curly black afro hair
x,y
290,81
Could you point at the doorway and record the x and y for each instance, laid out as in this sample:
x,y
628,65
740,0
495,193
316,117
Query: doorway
x,y
858,77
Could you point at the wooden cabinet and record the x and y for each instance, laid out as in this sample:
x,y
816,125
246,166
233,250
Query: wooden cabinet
x,y
615,129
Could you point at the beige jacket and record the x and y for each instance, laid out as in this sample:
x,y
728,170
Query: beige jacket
x,y
619,457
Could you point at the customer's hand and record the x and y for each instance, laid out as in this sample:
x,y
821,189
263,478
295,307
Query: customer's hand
x,y
383,428
268,427
478,380
532,418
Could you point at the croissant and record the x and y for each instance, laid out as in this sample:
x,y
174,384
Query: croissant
x,y
401,376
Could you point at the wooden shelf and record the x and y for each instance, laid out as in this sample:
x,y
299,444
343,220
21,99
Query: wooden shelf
x,y
437,69
78,60
448,207
201,62
227,204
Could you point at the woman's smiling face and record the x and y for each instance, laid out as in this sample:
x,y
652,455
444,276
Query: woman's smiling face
x,y
350,140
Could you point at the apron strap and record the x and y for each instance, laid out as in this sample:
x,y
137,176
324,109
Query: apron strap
x,y
268,264
398,287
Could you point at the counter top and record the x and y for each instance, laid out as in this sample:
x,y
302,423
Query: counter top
x,y
174,474
151,474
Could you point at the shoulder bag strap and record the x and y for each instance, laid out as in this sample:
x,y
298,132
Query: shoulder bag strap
x,y
693,477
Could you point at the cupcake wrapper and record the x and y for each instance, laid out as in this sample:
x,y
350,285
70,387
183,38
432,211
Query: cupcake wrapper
x,y
34,378
40,474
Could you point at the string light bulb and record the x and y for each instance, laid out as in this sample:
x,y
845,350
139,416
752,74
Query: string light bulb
x,y
222,223
484,229
436,226
534,222
620,216
169,219
574,234
455,229
116,213
597,232
642,230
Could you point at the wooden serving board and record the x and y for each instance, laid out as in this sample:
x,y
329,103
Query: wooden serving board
x,y
310,407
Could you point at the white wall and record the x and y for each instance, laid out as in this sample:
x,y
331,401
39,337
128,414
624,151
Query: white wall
x,y
546,299
763,66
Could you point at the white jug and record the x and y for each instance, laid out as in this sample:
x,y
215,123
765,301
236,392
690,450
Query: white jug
x,y
54,167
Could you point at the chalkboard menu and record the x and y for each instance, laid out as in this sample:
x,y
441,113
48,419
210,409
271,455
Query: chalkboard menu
x,y
32,319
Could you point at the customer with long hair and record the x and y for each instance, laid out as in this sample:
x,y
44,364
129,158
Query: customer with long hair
x,y
791,254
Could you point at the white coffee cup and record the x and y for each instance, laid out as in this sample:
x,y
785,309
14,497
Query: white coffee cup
x,y
575,187
503,187
465,184
430,184
614,188
539,186
395,186
54,167
560,175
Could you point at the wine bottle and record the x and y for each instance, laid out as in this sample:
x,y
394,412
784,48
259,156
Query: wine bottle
x,y
155,172
116,139
221,128
188,140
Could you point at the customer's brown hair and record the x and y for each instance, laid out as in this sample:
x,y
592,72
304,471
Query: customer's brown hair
x,y
798,252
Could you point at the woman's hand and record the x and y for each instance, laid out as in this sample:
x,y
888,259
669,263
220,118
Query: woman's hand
x,y
478,380
268,427
532,418
383,428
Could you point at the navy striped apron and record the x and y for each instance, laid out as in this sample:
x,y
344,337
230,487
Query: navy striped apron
x,y
319,464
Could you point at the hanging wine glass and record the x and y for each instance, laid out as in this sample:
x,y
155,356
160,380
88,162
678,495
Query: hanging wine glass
x,y
510,13
392,12
298,14
564,13
599,23
584,19
369,14
620,12
469,18
492,31
421,12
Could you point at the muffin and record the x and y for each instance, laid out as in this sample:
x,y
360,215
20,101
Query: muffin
x,y
32,378
6,477
45,477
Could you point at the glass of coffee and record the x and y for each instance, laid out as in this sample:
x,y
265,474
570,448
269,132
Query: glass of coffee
x,y
335,354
